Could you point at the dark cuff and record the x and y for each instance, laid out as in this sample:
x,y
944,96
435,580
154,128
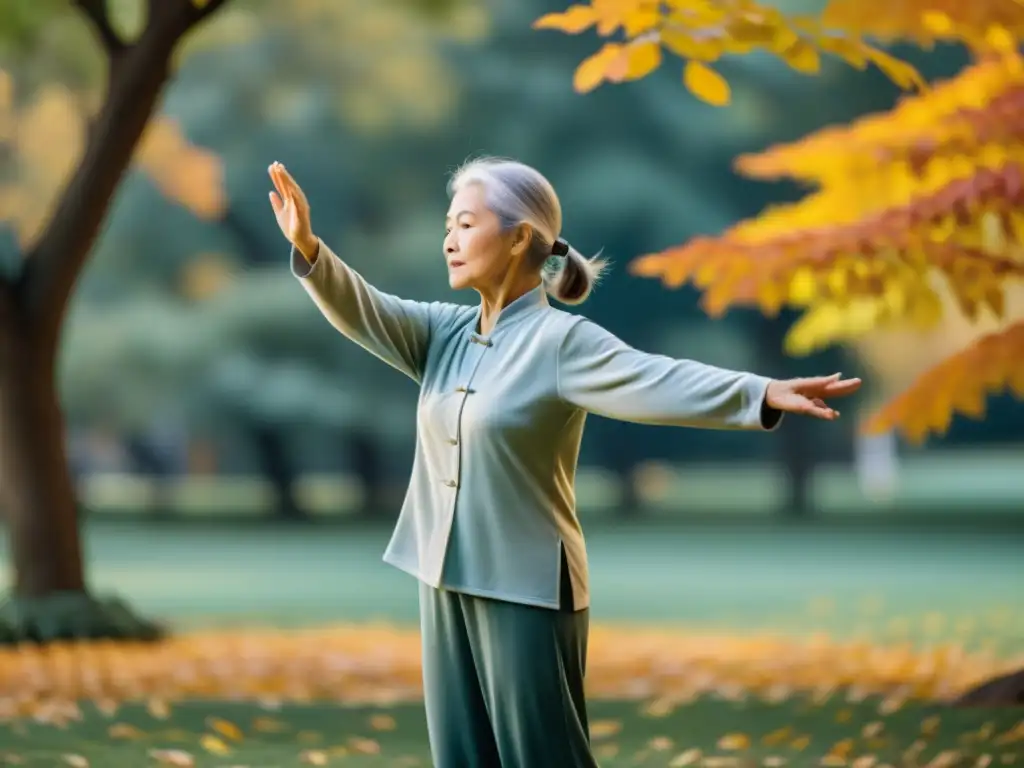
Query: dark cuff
x,y
770,417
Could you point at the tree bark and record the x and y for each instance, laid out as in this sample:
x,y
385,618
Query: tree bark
x,y
38,497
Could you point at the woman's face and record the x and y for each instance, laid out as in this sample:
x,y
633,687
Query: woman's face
x,y
478,253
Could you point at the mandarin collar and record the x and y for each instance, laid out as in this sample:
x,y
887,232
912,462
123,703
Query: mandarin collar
x,y
529,301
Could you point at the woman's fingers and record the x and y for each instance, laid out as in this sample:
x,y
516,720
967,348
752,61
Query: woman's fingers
x,y
275,177
827,386
276,203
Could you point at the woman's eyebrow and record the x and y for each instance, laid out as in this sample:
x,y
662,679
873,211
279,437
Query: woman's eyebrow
x,y
447,218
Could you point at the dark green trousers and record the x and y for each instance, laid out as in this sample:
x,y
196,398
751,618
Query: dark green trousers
x,y
503,683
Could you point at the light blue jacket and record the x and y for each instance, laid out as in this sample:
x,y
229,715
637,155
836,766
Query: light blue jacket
x,y
491,501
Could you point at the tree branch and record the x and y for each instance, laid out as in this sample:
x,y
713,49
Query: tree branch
x,y
136,84
186,13
98,14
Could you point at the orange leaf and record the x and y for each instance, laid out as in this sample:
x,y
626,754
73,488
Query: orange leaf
x,y
575,19
958,384
593,70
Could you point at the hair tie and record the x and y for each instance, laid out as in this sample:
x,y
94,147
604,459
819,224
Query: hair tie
x,y
559,248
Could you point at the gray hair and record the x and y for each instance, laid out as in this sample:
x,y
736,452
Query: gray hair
x,y
518,194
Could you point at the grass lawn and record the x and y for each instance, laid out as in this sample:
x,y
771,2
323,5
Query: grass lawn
x,y
707,732
877,587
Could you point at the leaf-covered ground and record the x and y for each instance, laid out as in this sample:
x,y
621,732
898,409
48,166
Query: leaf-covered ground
x,y
725,647
711,733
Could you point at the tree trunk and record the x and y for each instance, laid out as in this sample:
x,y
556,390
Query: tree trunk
x,y
277,468
39,500
794,456
50,600
368,465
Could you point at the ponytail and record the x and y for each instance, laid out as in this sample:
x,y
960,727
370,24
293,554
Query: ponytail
x,y
573,276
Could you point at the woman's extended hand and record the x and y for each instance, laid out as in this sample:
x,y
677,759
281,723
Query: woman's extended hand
x,y
807,396
292,211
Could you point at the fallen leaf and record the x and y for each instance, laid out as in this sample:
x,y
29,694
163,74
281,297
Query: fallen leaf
x,y
734,741
314,757
383,723
124,731
689,757
602,729
75,761
214,745
872,729
364,746
177,758
225,728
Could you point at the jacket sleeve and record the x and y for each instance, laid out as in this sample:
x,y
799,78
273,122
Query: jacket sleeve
x,y
602,374
395,330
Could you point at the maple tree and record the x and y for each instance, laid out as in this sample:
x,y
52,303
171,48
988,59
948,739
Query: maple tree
x,y
911,214
84,116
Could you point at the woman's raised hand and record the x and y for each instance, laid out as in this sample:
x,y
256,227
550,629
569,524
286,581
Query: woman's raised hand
x,y
292,211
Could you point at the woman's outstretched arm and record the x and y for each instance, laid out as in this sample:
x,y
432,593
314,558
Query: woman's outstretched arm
x,y
600,373
395,330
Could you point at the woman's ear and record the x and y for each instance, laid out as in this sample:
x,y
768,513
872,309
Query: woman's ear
x,y
522,236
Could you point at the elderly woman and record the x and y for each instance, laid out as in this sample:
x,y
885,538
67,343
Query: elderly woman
x,y
489,525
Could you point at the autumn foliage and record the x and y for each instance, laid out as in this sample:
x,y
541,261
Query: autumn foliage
x,y
701,32
904,208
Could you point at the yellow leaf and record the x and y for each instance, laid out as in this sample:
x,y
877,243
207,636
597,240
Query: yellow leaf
x,y
803,286
158,709
592,70
213,745
364,746
706,84
734,741
602,729
687,47
75,761
641,21
800,743
575,19
689,757
642,59
226,729
178,758
314,757
383,723
803,57
901,73
1000,39
850,51
937,22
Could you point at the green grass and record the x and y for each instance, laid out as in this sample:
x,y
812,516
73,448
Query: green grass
x,y
642,740
890,584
